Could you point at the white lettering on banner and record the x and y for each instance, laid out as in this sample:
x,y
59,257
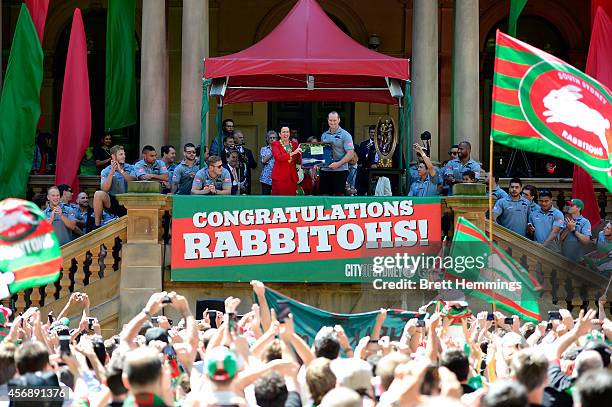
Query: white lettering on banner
x,y
374,235
194,243
254,241
376,225
281,241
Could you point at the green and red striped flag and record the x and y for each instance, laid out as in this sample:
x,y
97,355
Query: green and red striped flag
x,y
30,253
491,274
544,105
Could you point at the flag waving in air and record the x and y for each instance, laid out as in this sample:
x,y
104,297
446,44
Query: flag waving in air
x,y
502,281
541,104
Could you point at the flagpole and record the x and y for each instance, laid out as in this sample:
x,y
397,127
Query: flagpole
x,y
490,188
608,287
491,204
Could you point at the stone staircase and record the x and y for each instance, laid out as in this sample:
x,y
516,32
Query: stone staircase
x,y
565,284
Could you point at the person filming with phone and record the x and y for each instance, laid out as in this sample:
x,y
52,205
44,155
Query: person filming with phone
x,y
427,182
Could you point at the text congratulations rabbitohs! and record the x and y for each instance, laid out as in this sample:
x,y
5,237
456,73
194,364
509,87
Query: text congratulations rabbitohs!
x,y
303,239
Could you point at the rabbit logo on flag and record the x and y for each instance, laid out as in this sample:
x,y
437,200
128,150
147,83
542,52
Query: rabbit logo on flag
x,y
569,110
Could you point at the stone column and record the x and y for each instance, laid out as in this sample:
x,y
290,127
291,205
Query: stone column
x,y
424,74
141,257
154,75
466,63
194,49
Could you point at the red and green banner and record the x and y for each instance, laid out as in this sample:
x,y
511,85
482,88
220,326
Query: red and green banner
x,y
20,107
542,104
30,253
502,281
298,239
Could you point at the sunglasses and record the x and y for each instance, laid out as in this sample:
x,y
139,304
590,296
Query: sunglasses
x,y
190,152
218,166
453,153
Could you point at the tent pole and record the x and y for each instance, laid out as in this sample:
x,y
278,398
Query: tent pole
x,y
203,114
407,123
219,124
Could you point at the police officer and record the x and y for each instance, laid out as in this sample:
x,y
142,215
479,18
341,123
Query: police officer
x,y
185,171
545,222
427,183
62,217
512,212
576,233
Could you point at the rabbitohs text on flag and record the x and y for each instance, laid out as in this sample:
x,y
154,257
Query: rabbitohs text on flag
x,y
541,104
503,282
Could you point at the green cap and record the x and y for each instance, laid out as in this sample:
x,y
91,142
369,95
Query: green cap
x,y
221,364
578,203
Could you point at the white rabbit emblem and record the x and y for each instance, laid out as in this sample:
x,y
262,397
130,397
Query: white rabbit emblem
x,y
564,107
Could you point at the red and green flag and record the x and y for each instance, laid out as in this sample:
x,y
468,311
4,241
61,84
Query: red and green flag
x,y
30,253
544,105
483,270
20,107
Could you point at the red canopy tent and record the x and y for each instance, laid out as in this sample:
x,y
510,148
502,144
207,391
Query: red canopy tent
x,y
307,58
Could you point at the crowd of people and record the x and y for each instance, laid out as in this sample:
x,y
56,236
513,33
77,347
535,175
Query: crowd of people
x,y
220,358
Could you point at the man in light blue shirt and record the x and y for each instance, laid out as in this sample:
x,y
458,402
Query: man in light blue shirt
x,y
113,181
512,212
576,233
213,179
427,183
150,168
185,171
332,179
545,222
454,169
62,217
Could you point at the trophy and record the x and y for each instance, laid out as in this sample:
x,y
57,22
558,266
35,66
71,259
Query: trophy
x,y
385,141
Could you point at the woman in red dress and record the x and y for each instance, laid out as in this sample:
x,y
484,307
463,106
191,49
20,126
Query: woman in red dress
x,y
286,154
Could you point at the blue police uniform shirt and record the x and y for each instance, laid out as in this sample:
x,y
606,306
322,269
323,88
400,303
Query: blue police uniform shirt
x,y
456,168
119,183
202,178
513,215
183,176
572,248
64,235
499,193
342,142
158,168
414,174
543,222
427,187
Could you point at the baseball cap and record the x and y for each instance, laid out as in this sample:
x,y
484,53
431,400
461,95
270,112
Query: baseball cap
x,y
352,373
577,202
221,364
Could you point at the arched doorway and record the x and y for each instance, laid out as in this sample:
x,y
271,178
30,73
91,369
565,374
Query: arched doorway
x,y
540,33
94,21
